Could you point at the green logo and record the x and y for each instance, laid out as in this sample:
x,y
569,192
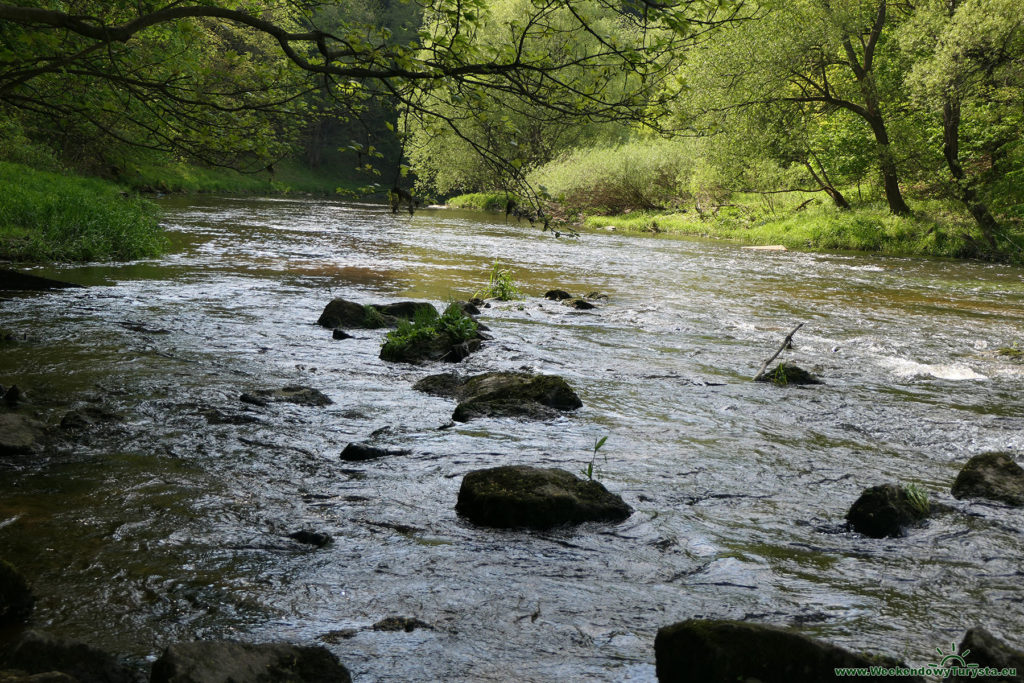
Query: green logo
x,y
954,658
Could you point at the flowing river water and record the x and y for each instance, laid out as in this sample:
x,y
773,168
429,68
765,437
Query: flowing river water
x,y
170,522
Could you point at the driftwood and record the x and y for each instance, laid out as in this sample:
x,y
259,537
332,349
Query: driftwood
x,y
785,345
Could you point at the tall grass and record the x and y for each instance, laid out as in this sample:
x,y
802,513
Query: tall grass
x,y
482,201
46,216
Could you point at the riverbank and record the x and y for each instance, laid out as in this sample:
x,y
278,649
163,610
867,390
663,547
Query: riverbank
x,y
935,229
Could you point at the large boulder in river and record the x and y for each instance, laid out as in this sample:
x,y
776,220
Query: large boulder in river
x,y
722,650
16,599
37,653
348,314
503,394
519,496
994,476
988,651
221,661
18,434
886,510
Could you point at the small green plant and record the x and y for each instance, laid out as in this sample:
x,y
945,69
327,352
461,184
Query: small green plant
x,y
1012,351
501,286
426,328
917,497
373,319
589,469
779,376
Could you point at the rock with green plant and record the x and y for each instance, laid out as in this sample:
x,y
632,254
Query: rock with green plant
x,y
991,476
504,394
888,510
345,314
448,337
787,374
520,496
725,650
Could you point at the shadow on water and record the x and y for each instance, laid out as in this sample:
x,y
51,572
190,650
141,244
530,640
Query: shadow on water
x,y
168,519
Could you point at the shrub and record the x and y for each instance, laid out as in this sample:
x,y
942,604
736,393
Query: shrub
x,y
426,330
501,285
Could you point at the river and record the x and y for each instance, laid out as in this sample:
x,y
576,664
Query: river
x,y
169,522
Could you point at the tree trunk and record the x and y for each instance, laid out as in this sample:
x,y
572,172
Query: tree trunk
x,y
825,183
886,163
961,186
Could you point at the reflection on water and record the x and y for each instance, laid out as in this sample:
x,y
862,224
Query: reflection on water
x,y
170,520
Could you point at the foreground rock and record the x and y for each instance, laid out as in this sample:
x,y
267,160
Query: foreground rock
x,y
578,304
19,435
785,374
223,661
503,394
988,651
40,653
519,496
15,676
993,476
299,395
348,314
16,599
437,347
885,510
720,650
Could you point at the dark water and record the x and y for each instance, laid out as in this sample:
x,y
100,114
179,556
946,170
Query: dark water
x,y
162,525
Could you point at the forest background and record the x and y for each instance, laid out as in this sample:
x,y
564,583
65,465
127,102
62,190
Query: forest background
x,y
817,124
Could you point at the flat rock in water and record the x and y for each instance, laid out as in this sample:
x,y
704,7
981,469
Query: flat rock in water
x,y
357,452
406,624
503,394
349,314
224,661
12,280
883,511
578,304
15,676
38,653
721,650
16,599
303,396
519,496
558,295
993,476
19,435
988,651
308,537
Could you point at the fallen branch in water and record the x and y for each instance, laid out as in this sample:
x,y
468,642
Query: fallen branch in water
x,y
785,345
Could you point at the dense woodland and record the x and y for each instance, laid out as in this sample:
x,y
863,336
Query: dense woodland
x,y
870,116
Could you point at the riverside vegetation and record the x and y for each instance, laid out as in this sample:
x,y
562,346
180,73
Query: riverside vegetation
x,y
874,126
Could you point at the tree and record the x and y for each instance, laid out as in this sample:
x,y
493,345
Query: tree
x,y
969,68
44,44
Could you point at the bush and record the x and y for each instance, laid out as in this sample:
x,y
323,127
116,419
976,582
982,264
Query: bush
x,y
482,201
48,216
641,175
428,330
501,285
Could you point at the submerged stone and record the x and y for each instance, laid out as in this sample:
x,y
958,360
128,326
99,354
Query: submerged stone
x,y
519,496
406,624
885,510
503,394
349,314
223,661
13,280
308,537
357,452
578,304
16,599
299,395
722,650
993,476
19,435
558,295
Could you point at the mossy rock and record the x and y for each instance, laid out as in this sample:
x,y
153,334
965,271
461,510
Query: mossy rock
x,y
993,476
785,374
723,650
19,435
16,599
219,661
341,313
558,295
884,511
435,347
520,496
578,304
503,394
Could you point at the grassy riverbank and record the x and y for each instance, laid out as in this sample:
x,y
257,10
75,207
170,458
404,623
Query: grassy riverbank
x,y
51,216
288,177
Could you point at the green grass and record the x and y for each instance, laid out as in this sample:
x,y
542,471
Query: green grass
x,y
48,216
500,285
481,201
289,177
934,229
424,328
